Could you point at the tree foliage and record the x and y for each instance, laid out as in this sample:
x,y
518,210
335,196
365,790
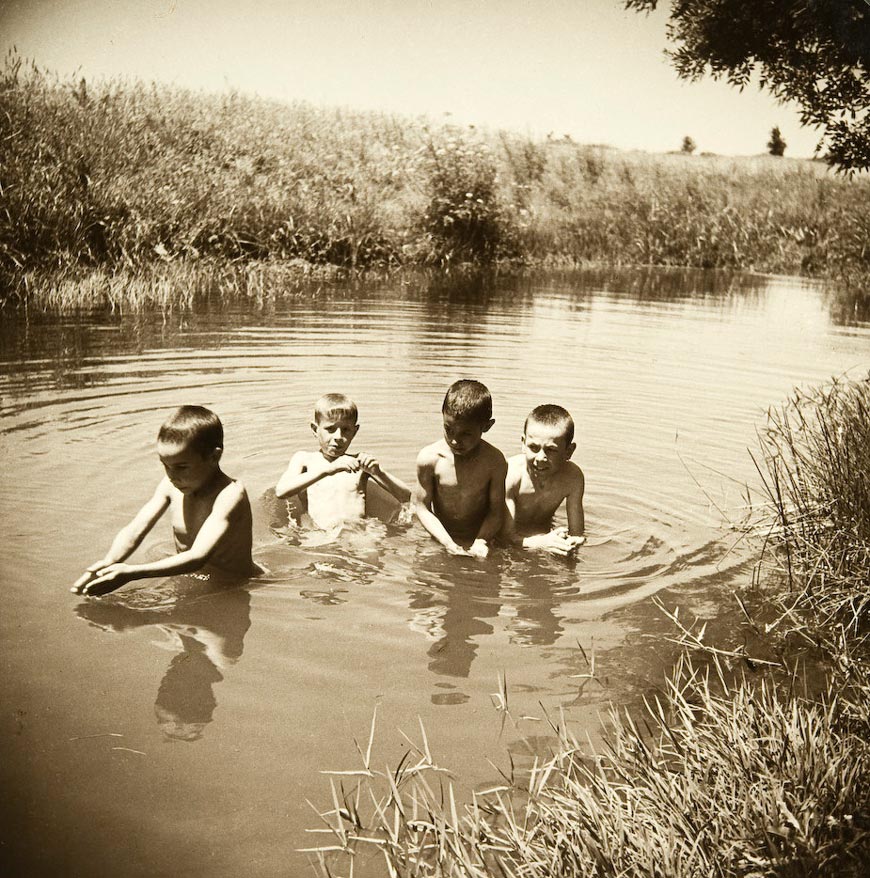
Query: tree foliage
x,y
776,145
815,53
689,145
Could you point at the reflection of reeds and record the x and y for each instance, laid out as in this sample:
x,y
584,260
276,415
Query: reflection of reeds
x,y
722,774
118,176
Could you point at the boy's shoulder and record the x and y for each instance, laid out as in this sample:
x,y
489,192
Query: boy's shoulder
x,y
492,455
430,453
571,474
232,495
516,467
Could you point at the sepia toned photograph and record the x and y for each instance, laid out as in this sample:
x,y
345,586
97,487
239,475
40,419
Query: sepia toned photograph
x,y
435,439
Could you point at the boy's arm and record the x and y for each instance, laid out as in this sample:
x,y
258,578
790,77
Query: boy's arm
x,y
423,498
492,522
574,506
297,477
508,532
386,480
130,536
219,520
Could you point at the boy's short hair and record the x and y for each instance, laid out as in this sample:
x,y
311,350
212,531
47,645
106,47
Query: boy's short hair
x,y
468,400
194,426
335,406
550,415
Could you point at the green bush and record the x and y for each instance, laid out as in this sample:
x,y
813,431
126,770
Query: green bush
x,y
464,220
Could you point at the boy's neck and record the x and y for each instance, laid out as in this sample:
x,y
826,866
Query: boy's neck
x,y
211,483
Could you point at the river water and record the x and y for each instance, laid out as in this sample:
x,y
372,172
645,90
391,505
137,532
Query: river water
x,y
178,728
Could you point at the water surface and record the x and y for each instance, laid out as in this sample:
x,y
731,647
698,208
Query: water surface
x,y
178,727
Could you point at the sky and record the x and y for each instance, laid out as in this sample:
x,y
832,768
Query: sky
x,y
585,68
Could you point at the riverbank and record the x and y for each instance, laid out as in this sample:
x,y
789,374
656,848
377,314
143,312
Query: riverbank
x,y
755,759
109,185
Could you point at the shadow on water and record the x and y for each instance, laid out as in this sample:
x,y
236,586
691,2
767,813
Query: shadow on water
x,y
207,633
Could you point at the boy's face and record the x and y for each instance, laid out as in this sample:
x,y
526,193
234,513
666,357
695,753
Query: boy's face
x,y
545,449
463,435
186,467
334,435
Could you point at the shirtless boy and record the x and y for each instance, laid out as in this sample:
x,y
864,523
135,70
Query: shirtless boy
x,y
539,479
461,478
210,512
330,483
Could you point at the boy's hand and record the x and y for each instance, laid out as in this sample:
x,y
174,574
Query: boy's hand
x,y
85,578
574,540
344,464
107,579
556,542
479,548
368,463
456,549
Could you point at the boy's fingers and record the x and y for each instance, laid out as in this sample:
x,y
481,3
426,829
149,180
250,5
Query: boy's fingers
x,y
82,581
100,586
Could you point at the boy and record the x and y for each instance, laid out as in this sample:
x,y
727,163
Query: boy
x,y
460,493
330,483
210,512
539,479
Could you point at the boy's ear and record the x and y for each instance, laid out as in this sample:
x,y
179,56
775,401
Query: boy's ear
x,y
313,427
215,455
489,424
570,448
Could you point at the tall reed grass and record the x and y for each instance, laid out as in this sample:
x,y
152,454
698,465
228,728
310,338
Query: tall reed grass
x,y
730,771
113,176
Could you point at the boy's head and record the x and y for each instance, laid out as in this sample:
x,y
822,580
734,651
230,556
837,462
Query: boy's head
x,y
467,413
190,444
548,439
335,424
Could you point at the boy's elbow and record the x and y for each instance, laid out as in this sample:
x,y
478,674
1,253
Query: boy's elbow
x,y
194,562
285,490
419,506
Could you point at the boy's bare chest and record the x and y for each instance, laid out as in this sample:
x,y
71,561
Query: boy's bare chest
x,y
337,484
188,515
460,477
540,496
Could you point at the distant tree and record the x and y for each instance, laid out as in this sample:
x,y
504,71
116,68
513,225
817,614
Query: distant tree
x,y
689,145
776,145
813,52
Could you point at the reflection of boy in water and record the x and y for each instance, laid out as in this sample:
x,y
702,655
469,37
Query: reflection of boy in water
x,y
460,491
454,605
185,701
210,633
330,483
209,511
539,480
